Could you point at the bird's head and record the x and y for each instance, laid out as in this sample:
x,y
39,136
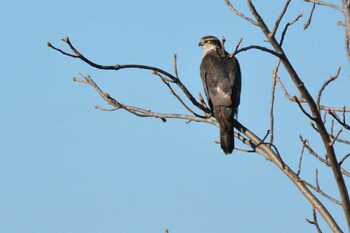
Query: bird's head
x,y
209,43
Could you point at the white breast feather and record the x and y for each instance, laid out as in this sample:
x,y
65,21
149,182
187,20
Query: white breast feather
x,y
222,93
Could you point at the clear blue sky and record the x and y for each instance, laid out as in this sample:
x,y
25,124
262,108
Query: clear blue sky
x,y
67,167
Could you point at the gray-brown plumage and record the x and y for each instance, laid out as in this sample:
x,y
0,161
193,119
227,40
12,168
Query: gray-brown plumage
x,y
221,77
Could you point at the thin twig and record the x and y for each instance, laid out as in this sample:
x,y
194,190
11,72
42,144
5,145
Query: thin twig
x,y
322,160
325,84
301,156
334,109
106,109
264,49
316,177
336,137
341,122
177,96
325,117
286,28
291,98
175,66
140,112
308,22
228,3
274,77
318,190
314,221
278,21
322,3
223,40
236,49
175,79
340,140
61,51
302,109
343,159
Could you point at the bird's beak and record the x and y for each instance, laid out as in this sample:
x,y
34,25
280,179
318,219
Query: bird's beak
x,y
200,43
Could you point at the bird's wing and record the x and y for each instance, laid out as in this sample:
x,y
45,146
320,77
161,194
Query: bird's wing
x,y
235,80
218,79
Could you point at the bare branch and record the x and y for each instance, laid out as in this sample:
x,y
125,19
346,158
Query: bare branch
x,y
334,109
340,140
278,21
254,142
308,22
301,155
175,66
228,3
177,96
347,42
336,137
318,190
61,51
264,49
302,109
340,23
322,160
106,109
236,49
322,3
291,98
267,152
341,122
286,28
325,84
314,221
343,159
175,79
140,112
317,184
305,94
274,77
223,40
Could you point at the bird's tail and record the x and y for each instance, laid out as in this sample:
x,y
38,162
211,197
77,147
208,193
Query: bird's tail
x,y
224,116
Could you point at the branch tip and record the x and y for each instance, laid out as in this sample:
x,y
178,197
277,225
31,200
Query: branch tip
x,y
66,39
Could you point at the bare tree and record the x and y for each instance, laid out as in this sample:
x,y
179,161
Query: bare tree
x,y
310,106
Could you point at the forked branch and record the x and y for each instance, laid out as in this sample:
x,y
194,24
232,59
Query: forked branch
x,y
175,79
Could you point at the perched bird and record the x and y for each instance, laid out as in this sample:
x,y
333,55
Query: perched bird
x,y
221,77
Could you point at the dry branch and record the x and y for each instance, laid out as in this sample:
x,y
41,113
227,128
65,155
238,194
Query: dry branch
x,y
272,120
322,3
140,112
278,21
341,122
286,28
315,115
314,221
325,84
240,14
175,79
308,22
268,150
318,190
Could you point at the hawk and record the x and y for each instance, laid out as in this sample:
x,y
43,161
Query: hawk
x,y
221,77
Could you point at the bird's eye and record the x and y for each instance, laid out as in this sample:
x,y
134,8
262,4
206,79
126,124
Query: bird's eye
x,y
208,41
